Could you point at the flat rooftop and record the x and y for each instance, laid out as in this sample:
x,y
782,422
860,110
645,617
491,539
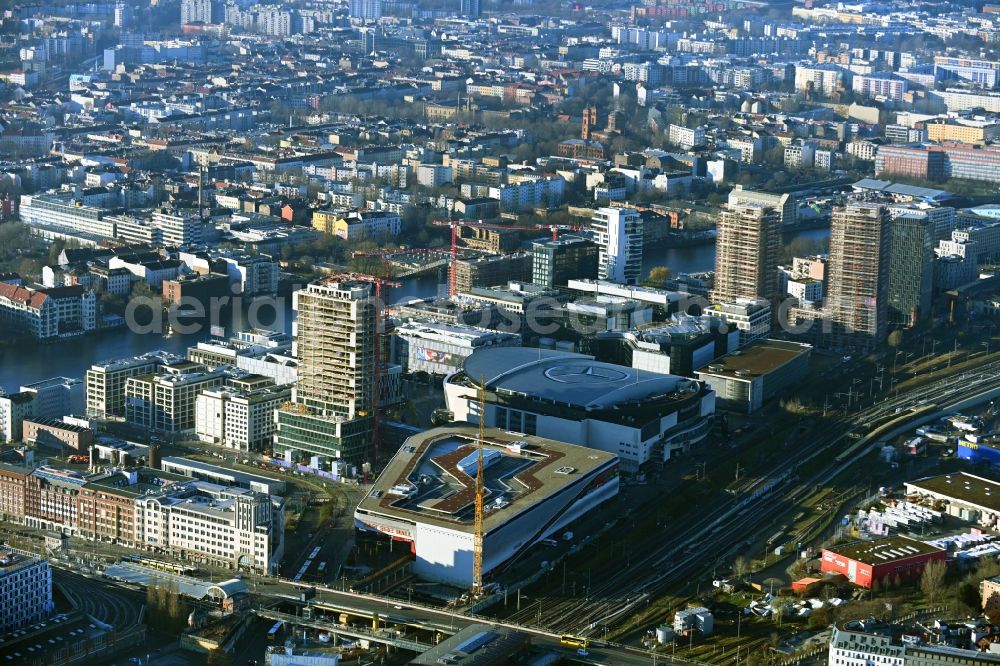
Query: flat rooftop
x,y
477,645
567,378
430,479
57,635
758,358
962,487
217,471
884,551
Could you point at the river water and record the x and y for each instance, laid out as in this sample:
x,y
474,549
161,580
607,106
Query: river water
x,y
27,363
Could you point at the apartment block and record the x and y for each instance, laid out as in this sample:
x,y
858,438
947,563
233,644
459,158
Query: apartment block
x,y
25,590
746,262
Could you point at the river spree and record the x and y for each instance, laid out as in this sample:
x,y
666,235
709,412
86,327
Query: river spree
x,y
27,363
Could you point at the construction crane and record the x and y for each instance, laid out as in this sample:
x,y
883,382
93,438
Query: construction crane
x,y
477,539
479,224
381,288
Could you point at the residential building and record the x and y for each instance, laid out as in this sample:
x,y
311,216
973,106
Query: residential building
x,y
805,290
529,193
911,268
48,314
470,9
882,85
432,175
334,340
981,73
14,409
355,224
825,79
25,590
684,137
494,241
855,314
784,204
186,290
178,228
800,155
619,235
366,10
197,11
860,242
746,260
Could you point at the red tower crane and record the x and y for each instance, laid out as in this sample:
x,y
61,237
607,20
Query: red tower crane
x,y
456,224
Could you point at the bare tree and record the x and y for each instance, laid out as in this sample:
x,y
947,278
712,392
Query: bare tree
x,y
932,580
741,567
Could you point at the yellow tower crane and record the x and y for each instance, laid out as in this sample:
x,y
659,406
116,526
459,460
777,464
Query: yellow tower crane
x,y
477,539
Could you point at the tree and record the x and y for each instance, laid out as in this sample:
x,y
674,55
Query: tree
x,y
967,595
895,339
932,580
741,567
658,275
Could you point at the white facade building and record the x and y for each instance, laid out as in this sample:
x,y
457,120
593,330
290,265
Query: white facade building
x,y
14,409
242,420
686,138
751,316
205,522
619,237
545,192
57,397
439,348
547,484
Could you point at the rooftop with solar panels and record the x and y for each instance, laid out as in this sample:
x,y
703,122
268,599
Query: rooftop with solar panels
x,y
432,479
886,550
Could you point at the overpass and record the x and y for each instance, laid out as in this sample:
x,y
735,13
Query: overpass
x,y
440,620
384,636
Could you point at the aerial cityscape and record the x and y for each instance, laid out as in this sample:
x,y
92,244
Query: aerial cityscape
x,y
474,332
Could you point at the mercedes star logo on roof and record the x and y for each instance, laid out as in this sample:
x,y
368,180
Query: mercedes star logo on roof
x,y
584,373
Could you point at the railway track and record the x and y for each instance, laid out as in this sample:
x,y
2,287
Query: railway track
x,y
619,589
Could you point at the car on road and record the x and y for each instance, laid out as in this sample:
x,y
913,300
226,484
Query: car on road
x,y
583,652
398,607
